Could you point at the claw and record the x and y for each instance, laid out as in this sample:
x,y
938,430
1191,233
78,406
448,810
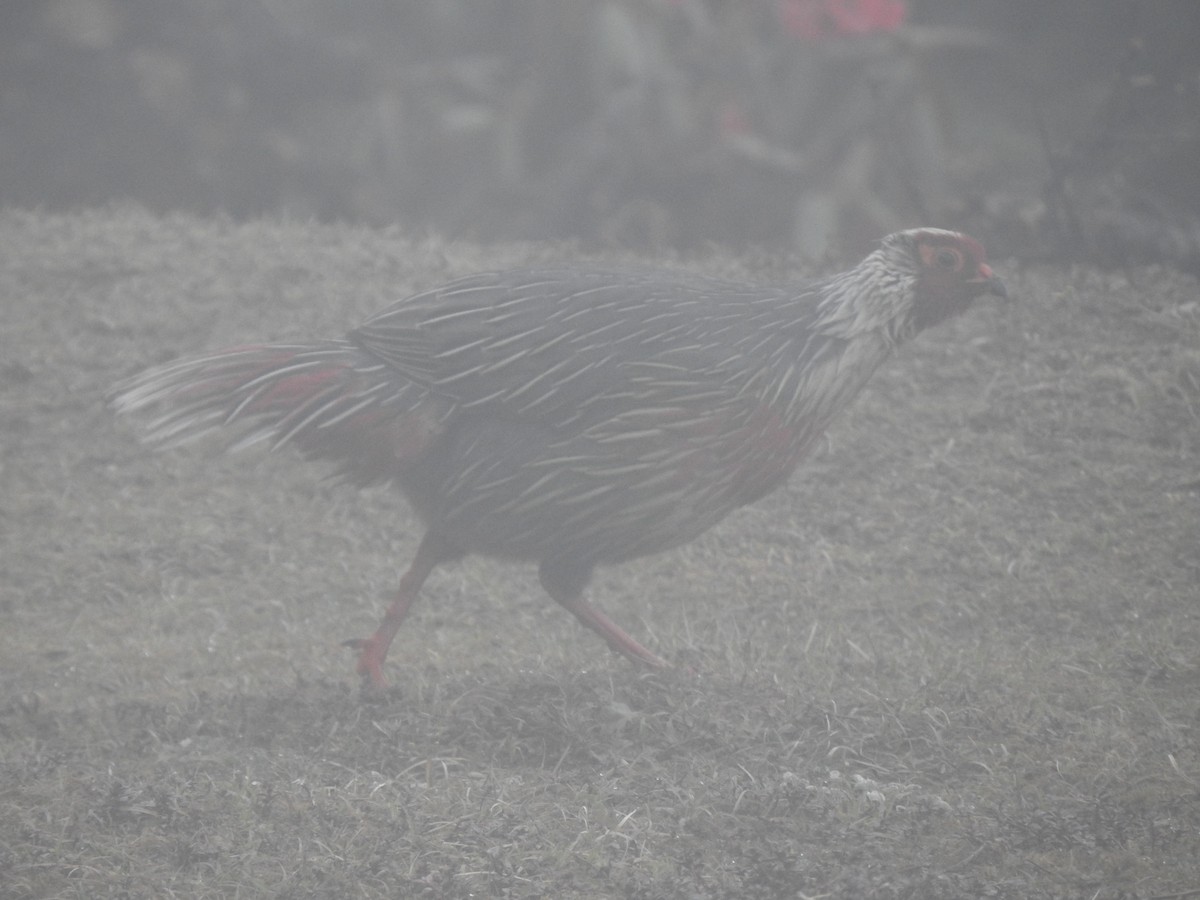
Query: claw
x,y
370,664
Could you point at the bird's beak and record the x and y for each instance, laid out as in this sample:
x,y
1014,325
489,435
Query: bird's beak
x,y
990,281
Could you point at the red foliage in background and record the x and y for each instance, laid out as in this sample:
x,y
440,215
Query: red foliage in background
x,y
814,20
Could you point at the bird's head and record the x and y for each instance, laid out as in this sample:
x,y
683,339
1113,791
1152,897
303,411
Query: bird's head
x,y
949,270
915,279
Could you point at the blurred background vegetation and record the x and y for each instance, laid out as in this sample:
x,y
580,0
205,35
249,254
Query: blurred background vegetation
x,y
1053,130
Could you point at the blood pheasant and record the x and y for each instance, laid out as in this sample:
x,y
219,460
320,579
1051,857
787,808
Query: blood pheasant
x,y
574,416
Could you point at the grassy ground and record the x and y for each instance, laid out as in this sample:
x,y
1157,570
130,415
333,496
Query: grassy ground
x,y
957,657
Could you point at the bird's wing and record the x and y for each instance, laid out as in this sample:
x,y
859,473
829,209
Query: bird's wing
x,y
569,349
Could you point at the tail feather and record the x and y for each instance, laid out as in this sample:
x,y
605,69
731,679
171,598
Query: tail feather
x,y
331,400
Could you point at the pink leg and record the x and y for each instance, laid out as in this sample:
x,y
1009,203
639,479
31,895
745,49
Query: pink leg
x,y
618,638
565,583
373,650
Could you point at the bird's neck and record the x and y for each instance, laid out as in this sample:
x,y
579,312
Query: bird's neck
x,y
873,297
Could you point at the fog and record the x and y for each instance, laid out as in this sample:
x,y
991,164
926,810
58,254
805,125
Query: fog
x,y
1058,130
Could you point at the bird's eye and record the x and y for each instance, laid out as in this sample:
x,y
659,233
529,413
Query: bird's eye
x,y
948,258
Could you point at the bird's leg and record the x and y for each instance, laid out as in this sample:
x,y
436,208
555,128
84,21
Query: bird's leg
x,y
373,650
618,639
566,584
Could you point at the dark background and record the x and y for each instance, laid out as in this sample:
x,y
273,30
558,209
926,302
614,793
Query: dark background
x,y
1053,130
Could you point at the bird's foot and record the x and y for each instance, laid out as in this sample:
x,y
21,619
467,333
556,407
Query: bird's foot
x,y
371,653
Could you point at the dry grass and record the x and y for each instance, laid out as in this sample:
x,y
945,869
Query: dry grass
x,y
957,658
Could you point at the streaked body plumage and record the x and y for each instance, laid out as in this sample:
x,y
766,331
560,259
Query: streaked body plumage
x,y
570,416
